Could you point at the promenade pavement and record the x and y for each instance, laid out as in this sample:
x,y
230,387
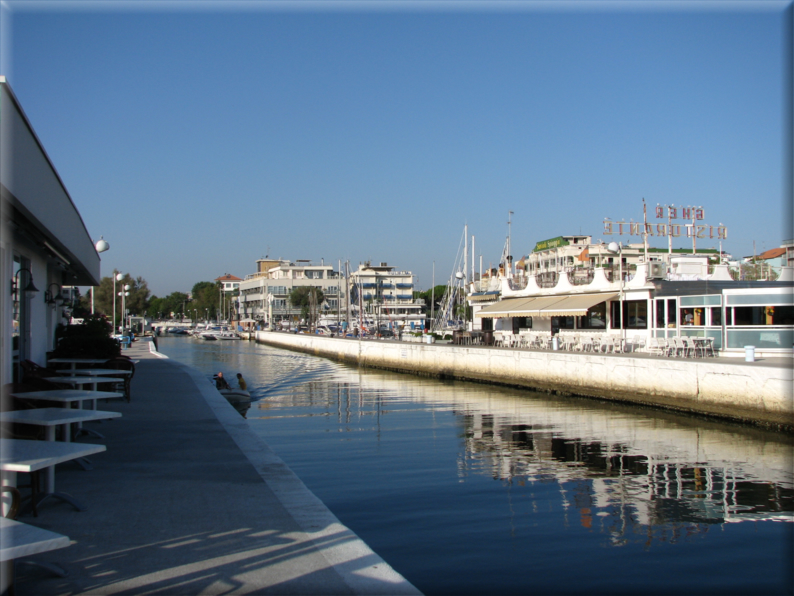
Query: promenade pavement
x,y
188,500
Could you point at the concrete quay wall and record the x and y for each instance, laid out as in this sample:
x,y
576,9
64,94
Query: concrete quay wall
x,y
748,392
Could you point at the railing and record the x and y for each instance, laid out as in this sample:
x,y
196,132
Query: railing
x,y
581,277
547,280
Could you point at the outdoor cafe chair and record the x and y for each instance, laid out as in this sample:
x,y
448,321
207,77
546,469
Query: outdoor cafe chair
x,y
123,363
692,348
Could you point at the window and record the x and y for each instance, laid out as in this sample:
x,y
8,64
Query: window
x,y
562,322
521,323
671,313
763,315
716,316
635,314
693,316
596,318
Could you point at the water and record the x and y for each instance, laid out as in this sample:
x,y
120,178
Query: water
x,y
472,489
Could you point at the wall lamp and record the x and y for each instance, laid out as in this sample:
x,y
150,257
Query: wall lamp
x,y
29,290
56,300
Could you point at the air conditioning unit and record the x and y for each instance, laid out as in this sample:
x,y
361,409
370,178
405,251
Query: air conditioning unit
x,y
657,270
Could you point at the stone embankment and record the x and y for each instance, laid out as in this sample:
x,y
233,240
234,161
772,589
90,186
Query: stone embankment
x,y
760,392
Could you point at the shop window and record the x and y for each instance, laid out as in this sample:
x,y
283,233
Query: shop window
x,y
596,317
660,304
635,314
672,320
763,315
563,322
693,316
521,323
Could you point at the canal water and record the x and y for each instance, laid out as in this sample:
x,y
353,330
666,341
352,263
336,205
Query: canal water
x,y
468,488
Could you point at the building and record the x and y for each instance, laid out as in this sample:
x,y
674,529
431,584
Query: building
x,y
44,244
264,295
383,296
229,283
369,294
577,286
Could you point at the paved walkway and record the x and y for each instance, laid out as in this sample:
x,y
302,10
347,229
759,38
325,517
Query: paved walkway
x,y
188,500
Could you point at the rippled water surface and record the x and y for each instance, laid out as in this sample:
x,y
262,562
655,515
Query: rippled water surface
x,y
472,489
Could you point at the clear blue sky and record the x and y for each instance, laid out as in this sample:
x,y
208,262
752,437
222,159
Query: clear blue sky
x,y
197,138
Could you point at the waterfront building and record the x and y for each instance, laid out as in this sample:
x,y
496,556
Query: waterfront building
x,y
789,246
229,283
570,285
264,295
44,243
384,296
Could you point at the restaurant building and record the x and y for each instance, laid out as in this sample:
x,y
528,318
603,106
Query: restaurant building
x,y
44,243
615,290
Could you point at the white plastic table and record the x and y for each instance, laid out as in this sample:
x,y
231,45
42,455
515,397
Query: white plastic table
x,y
19,455
22,540
75,361
70,396
50,418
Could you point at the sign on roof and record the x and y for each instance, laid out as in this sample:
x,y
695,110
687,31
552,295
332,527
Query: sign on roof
x,y
550,243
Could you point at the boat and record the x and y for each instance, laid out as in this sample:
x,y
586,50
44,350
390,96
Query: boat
x,y
237,397
218,332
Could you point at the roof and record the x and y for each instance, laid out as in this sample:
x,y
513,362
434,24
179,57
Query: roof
x,y
228,277
772,253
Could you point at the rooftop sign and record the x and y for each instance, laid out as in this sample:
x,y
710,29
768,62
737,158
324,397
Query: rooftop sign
x,y
550,243
670,229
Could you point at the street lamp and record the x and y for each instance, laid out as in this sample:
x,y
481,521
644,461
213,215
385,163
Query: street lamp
x,y
116,277
101,246
617,248
124,293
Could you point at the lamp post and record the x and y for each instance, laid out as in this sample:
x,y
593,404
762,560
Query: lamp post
x,y
617,248
124,293
116,277
101,246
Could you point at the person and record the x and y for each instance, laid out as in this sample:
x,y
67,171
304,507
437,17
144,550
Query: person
x,y
241,382
220,382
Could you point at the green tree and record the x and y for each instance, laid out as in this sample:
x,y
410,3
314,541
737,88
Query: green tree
x,y
136,303
175,302
428,296
308,299
206,298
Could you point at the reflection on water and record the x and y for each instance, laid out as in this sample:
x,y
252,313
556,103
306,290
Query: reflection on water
x,y
468,488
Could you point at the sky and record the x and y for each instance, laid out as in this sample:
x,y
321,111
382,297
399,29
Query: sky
x,y
198,137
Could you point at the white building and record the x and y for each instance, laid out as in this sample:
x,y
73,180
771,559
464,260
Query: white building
x,y
264,295
44,243
612,290
383,296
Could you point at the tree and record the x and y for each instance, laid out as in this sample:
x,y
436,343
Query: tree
x,y
206,297
434,294
175,302
136,303
308,299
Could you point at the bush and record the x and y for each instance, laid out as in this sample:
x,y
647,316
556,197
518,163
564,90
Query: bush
x,y
90,340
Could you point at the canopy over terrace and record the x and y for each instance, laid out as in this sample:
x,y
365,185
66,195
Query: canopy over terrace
x,y
545,306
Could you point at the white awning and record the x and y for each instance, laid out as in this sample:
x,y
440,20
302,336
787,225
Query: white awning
x,y
544,306
505,308
568,306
